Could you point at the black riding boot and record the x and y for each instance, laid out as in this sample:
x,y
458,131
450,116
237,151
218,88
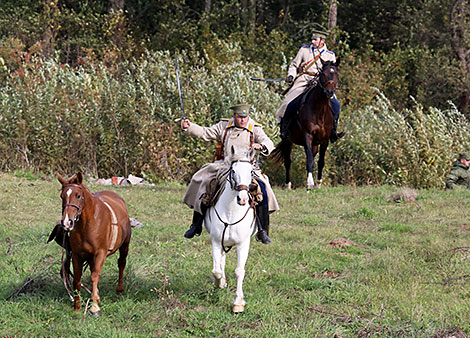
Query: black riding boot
x,y
196,226
262,220
284,129
334,136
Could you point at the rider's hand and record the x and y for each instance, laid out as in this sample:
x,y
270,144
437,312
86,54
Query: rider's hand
x,y
185,124
290,79
257,146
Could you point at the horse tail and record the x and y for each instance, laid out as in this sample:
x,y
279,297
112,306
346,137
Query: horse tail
x,y
277,155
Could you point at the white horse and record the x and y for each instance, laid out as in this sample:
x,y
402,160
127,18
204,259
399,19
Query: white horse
x,y
230,222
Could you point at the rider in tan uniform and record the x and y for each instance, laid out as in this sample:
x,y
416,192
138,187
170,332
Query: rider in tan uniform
x,y
308,62
243,133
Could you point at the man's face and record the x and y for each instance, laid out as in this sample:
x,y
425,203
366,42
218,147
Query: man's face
x,y
318,42
240,121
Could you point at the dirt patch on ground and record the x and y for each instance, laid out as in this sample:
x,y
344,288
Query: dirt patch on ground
x,y
326,274
404,195
340,243
449,333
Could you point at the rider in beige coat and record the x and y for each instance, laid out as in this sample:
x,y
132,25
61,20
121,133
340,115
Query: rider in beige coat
x,y
304,70
243,133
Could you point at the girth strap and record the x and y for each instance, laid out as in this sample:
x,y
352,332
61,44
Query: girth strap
x,y
114,227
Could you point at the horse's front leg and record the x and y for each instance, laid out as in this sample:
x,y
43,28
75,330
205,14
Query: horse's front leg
x,y
286,155
77,263
242,256
218,270
310,155
321,163
95,268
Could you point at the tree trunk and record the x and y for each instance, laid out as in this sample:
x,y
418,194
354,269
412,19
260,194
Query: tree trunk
x,y
332,19
460,41
207,6
116,5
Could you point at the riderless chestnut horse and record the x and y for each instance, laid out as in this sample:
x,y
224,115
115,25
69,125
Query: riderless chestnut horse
x,y
311,126
98,226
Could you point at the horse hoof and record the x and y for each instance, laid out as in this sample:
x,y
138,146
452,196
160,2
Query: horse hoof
x,y
220,283
288,186
95,314
238,308
310,187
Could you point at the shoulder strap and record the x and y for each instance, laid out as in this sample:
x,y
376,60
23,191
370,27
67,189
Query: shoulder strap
x,y
219,149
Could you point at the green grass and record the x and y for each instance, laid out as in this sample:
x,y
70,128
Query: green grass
x,y
405,275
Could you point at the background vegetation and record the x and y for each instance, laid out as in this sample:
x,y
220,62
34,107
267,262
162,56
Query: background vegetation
x,y
91,86
365,266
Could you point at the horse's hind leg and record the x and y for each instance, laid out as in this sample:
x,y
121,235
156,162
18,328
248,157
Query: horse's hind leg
x,y
218,271
123,251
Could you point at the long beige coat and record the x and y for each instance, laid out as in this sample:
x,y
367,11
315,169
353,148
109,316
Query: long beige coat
x,y
306,53
239,138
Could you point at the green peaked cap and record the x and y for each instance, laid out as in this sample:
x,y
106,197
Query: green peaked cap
x,y
241,109
319,34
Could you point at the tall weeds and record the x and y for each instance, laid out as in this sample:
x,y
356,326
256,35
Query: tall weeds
x,y
118,118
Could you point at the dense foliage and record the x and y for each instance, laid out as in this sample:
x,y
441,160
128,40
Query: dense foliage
x,y
91,85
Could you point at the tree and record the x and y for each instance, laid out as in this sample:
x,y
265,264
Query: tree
x,y
460,41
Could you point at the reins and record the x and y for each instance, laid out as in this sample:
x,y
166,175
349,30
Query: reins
x,y
252,204
65,274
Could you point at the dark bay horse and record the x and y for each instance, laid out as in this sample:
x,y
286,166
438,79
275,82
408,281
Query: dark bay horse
x,y
98,226
311,126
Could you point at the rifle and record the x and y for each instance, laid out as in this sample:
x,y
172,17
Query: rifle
x,y
179,88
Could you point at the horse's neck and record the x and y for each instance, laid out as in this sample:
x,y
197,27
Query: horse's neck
x,y
227,203
89,204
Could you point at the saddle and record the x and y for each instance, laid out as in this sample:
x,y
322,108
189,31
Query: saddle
x,y
296,104
216,187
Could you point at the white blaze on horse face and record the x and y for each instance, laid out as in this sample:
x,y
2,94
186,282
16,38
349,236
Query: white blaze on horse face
x,y
67,218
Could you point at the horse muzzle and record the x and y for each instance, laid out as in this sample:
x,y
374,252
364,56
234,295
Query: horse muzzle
x,y
67,225
242,196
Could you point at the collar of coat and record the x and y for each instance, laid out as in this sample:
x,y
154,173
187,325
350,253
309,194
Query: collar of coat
x,y
250,126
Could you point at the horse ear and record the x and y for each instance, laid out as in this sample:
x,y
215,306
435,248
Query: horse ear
x,y
61,179
322,62
79,178
338,60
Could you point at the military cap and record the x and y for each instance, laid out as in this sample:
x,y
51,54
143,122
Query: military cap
x,y
241,109
319,34
465,156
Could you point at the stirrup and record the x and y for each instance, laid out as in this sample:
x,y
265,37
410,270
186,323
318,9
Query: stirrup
x,y
336,136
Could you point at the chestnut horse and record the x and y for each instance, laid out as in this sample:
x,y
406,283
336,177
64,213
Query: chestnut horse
x,y
98,226
311,126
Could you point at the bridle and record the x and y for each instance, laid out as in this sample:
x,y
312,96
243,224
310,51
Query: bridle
x,y
239,187
78,207
231,180
330,81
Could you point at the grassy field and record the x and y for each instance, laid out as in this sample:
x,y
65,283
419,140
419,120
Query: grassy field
x,y
404,270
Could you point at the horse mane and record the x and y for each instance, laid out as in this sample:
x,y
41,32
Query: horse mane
x,y
238,156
